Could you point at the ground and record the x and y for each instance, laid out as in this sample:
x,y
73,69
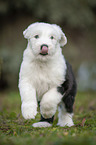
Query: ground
x,y
14,130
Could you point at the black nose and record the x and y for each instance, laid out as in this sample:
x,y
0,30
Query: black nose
x,y
44,45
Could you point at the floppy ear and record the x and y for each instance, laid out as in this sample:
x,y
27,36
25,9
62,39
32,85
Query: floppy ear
x,y
63,40
28,32
25,33
62,37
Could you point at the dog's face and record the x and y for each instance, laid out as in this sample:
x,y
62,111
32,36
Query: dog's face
x,y
44,39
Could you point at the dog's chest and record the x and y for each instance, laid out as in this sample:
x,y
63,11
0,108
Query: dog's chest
x,y
46,77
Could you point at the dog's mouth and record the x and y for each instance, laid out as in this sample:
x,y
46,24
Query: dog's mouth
x,y
43,54
44,50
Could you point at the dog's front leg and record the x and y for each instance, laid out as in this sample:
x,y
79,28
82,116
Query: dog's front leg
x,y
49,102
28,98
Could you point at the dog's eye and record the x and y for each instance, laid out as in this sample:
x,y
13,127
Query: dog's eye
x,y
52,37
36,36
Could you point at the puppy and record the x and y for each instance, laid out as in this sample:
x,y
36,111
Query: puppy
x,y
46,77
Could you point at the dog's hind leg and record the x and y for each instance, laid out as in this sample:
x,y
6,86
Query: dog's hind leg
x,y
68,90
44,122
64,117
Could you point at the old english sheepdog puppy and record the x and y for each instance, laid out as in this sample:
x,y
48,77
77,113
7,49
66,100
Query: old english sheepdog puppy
x,y
46,77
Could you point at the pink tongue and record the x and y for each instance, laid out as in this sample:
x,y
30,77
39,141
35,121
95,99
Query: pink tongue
x,y
44,50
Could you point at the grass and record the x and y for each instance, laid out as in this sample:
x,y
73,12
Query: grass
x,y
14,130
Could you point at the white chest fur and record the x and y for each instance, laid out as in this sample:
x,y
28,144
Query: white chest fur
x,y
45,76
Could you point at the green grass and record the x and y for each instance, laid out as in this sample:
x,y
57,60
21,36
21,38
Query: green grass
x,y
14,130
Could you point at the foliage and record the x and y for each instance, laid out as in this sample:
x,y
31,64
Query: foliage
x,y
74,13
14,130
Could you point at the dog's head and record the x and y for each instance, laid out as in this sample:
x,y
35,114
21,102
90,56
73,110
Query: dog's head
x,y
44,39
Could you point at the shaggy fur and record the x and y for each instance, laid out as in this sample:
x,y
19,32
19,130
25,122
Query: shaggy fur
x,y
46,77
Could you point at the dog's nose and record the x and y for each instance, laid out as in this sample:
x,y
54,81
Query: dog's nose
x,y
44,49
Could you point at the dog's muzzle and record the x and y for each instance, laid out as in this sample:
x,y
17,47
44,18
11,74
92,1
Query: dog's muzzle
x,y
44,49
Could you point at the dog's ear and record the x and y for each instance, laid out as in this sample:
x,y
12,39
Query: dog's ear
x,y
63,40
26,33
62,37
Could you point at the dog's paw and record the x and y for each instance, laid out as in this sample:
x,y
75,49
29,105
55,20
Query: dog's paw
x,y
47,112
29,110
67,121
47,109
62,124
42,124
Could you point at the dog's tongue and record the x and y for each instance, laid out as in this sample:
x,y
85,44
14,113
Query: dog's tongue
x,y
44,50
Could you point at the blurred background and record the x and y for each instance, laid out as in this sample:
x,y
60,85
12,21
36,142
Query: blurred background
x,y
78,21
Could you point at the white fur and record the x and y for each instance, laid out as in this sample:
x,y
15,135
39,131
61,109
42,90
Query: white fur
x,y
42,124
39,74
49,103
65,119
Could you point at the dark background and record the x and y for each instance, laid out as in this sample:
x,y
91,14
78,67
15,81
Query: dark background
x,y
77,19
